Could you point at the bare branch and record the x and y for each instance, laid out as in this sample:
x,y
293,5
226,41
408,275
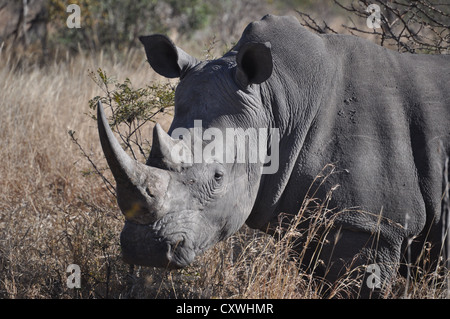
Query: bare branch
x,y
412,26
107,183
309,22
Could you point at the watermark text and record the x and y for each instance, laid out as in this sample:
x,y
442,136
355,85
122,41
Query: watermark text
x,y
74,19
374,20
74,278
229,145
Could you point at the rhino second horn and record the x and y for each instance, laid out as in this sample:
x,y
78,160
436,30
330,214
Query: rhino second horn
x,y
162,143
122,166
163,146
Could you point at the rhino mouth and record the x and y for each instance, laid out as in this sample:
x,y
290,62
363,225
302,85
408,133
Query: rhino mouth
x,y
172,242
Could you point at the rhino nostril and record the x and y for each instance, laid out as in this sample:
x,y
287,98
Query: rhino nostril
x,y
149,193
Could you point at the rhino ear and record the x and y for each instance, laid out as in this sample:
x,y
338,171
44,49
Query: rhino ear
x,y
165,57
254,63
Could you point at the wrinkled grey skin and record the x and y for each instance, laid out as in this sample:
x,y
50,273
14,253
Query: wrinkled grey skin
x,y
381,117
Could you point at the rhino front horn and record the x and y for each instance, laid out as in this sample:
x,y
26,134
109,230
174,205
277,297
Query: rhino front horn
x,y
122,166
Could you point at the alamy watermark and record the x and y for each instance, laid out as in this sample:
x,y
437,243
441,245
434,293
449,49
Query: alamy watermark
x,y
232,145
74,278
74,19
374,20
373,280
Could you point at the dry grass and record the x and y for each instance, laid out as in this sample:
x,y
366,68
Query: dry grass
x,y
54,211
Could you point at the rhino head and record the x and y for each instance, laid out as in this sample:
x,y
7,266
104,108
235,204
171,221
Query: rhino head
x,y
179,204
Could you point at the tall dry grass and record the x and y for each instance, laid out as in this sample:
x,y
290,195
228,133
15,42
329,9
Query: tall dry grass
x,y
55,211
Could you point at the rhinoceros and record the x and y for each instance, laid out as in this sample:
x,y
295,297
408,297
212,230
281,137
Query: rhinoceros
x,y
382,118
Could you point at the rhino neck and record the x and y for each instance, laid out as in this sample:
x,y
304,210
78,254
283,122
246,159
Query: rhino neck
x,y
295,95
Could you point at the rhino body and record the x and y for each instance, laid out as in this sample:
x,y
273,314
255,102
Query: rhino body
x,y
381,117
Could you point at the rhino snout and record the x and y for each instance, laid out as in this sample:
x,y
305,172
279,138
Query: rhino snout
x,y
142,202
167,243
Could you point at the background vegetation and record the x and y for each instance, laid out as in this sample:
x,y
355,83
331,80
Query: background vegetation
x,y
57,204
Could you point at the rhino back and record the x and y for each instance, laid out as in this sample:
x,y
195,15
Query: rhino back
x,y
385,124
380,116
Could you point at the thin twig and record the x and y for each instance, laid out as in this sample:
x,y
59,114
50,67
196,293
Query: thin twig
x,y
108,184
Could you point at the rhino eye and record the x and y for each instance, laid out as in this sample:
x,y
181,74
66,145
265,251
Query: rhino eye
x,y
218,176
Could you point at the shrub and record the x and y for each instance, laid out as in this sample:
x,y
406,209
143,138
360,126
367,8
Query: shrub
x,y
131,110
